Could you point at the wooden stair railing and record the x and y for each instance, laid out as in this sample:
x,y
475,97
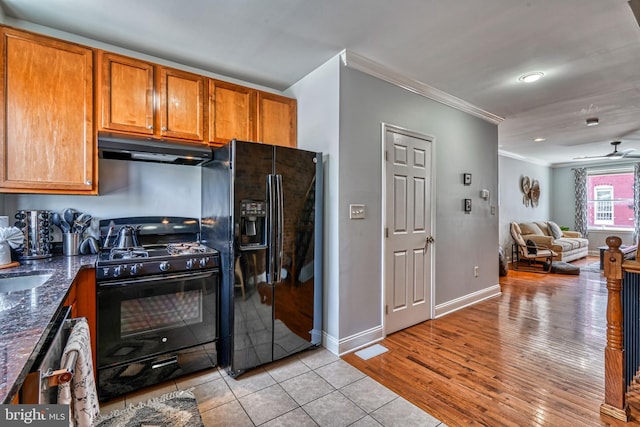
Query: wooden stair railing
x,y
614,404
618,374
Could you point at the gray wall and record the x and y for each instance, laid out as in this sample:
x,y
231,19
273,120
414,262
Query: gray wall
x,y
563,199
463,143
512,208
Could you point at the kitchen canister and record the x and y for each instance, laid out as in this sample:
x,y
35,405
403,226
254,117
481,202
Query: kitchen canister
x,y
70,244
36,227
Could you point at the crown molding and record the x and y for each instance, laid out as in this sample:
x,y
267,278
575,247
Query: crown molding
x,y
534,161
360,63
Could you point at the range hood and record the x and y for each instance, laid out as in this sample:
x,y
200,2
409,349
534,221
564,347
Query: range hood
x,y
121,147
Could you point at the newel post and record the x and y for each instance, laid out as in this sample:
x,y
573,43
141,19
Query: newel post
x,y
614,404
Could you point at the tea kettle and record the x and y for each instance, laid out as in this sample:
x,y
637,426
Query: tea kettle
x,y
127,237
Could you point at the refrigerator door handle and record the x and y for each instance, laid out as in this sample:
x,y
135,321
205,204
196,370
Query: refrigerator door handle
x,y
271,241
280,230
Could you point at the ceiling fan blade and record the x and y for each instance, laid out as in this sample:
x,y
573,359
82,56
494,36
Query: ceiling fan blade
x,y
615,154
608,156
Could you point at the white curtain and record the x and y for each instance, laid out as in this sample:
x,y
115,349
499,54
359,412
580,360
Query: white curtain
x,y
582,218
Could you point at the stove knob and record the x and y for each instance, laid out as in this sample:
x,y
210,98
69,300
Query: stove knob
x,y
117,270
203,261
190,263
164,266
135,269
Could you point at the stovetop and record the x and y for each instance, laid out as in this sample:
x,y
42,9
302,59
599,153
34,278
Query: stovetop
x,y
168,245
146,253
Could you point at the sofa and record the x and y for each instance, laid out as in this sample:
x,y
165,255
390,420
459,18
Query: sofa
x,y
568,245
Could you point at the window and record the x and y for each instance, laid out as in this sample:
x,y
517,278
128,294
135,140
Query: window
x,y
610,199
603,205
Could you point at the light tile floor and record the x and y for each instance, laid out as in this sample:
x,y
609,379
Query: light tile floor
x,y
308,389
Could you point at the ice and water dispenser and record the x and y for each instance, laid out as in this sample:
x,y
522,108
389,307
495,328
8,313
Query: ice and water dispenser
x,y
253,224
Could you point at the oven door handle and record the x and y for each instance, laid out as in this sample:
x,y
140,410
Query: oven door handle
x,y
147,279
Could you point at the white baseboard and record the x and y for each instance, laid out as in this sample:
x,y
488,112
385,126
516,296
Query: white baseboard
x,y
467,300
330,343
353,342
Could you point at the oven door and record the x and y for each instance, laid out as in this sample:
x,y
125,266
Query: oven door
x,y
143,317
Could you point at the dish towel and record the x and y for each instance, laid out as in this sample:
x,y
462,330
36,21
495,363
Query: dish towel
x,y
10,237
80,393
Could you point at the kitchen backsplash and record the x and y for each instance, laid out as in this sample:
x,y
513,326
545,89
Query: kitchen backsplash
x,y
126,189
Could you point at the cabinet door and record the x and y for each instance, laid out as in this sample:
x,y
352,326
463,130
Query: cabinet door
x,y
232,109
126,94
181,104
46,114
277,119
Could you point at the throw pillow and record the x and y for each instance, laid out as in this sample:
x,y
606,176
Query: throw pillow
x,y
532,248
555,230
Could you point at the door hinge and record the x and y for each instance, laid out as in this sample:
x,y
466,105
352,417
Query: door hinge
x,y
386,232
386,309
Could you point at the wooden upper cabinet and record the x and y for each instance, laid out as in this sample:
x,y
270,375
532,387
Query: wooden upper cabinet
x,y
232,111
181,104
142,98
277,119
126,94
46,115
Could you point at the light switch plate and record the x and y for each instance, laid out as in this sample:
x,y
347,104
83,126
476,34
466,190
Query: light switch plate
x,y
356,211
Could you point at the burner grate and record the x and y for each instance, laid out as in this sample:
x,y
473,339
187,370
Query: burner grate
x,y
187,248
128,253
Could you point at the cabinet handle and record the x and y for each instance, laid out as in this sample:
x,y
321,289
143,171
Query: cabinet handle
x,y
149,126
164,128
89,182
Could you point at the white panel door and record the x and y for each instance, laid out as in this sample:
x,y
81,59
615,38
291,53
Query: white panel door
x,y
407,256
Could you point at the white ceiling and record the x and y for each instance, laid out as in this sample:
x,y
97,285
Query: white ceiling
x,y
474,50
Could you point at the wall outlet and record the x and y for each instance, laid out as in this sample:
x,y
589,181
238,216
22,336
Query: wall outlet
x,y
356,211
475,271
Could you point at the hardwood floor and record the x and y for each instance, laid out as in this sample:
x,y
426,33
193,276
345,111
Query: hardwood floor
x,y
533,356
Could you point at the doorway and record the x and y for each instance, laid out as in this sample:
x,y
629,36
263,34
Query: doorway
x,y
408,240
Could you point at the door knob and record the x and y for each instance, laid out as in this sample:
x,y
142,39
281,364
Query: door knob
x,y
427,241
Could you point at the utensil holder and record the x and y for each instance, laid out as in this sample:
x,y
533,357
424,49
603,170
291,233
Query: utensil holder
x,y
70,244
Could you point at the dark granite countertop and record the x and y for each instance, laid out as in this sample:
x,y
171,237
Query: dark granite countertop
x,y
26,316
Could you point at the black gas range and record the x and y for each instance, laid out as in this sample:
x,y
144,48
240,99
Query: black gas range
x,y
157,302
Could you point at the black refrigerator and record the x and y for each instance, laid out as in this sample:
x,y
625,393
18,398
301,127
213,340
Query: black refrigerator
x,y
262,209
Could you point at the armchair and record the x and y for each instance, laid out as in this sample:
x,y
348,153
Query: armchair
x,y
534,257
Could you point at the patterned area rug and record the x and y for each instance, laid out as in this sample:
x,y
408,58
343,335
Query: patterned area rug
x,y
176,409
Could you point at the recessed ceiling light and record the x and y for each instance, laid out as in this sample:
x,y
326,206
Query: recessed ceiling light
x,y
531,77
593,121
539,139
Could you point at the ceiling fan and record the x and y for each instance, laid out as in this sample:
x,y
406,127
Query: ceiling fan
x,y
615,154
